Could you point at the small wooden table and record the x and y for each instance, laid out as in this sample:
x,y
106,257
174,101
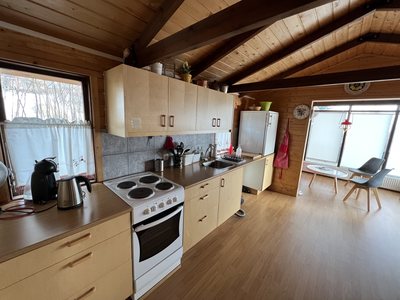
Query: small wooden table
x,y
327,171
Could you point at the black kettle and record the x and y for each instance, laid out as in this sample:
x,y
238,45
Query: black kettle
x,y
43,181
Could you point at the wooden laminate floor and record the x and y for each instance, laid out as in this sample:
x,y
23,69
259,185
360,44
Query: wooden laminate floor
x,y
313,246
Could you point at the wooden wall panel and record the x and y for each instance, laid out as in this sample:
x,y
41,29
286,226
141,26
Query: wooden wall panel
x,y
284,101
33,51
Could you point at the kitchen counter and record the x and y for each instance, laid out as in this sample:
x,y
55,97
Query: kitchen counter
x,y
196,173
25,234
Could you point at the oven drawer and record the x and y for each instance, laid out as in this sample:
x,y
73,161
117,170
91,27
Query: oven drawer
x,y
116,284
200,218
201,188
30,263
74,273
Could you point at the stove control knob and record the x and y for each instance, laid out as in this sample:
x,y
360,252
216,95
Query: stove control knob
x,y
169,201
153,208
175,199
161,205
146,211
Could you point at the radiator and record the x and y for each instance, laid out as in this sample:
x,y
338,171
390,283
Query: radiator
x,y
391,183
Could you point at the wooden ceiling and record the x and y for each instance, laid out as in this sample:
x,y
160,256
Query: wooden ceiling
x,y
235,42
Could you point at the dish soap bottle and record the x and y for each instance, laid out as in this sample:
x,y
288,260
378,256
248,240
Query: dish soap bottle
x,y
239,151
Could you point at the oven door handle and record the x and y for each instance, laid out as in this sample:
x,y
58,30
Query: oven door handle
x,y
155,223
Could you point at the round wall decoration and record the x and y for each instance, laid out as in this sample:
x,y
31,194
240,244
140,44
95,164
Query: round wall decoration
x,y
301,111
356,88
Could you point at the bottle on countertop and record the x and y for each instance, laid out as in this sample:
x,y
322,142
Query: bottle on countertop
x,y
239,151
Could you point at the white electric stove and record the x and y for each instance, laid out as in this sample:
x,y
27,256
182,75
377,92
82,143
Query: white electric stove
x,y
157,225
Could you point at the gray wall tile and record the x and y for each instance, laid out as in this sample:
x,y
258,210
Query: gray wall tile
x,y
113,144
141,161
115,165
142,143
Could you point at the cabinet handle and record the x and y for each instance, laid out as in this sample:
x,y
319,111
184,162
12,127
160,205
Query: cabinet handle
x,y
171,121
79,239
203,186
213,122
202,219
222,182
204,197
80,260
86,294
163,120
218,122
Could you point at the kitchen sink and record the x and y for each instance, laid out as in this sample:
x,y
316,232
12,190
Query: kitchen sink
x,y
218,164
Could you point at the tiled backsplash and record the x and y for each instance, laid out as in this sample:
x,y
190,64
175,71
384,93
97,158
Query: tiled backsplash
x,y
123,156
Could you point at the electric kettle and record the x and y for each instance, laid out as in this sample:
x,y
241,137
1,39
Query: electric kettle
x,y
70,194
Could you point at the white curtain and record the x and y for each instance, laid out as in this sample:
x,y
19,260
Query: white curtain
x,y
30,139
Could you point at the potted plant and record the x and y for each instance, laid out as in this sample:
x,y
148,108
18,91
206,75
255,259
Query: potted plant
x,y
185,72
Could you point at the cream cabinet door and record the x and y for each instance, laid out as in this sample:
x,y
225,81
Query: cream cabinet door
x,y
230,194
182,106
268,170
206,115
146,102
224,109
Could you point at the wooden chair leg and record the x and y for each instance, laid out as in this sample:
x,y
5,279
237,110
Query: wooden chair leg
x,y
335,184
375,190
349,193
358,193
368,199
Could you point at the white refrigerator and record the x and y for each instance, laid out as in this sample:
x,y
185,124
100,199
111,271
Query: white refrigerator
x,y
257,131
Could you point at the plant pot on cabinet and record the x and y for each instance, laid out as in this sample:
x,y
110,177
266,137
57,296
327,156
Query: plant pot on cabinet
x,y
187,77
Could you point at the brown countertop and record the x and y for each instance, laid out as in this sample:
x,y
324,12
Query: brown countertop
x,y
25,234
193,174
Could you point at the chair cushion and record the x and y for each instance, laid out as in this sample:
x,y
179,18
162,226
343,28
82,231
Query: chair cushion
x,y
359,172
359,180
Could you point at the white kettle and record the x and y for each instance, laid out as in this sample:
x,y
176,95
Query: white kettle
x,y
70,194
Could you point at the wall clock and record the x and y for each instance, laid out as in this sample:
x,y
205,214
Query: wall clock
x,y
356,88
301,111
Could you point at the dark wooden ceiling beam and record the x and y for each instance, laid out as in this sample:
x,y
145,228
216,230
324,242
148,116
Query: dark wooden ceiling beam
x,y
375,74
236,19
369,37
227,47
164,13
309,39
390,5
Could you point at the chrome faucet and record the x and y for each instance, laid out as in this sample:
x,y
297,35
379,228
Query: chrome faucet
x,y
212,149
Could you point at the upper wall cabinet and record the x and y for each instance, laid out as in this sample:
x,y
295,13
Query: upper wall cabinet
x,y
214,110
141,103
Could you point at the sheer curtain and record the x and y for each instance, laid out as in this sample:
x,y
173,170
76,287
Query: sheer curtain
x,y
30,139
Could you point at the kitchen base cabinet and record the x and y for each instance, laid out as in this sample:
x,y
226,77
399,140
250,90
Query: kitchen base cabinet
x,y
258,174
230,194
209,204
77,262
200,217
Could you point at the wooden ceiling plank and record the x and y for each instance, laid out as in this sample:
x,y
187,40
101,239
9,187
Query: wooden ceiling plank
x,y
11,16
236,19
166,10
226,47
320,33
373,74
328,54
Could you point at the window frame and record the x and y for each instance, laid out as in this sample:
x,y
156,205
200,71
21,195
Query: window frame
x,y
87,104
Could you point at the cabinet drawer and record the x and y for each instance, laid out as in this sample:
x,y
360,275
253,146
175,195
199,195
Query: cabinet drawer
x,y
32,262
200,218
74,273
116,285
201,188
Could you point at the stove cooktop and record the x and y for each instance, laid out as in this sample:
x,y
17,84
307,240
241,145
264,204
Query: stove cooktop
x,y
147,193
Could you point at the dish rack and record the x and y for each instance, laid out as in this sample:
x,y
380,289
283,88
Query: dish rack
x,y
233,158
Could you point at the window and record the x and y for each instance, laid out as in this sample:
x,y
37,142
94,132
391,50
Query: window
x,y
375,132
45,114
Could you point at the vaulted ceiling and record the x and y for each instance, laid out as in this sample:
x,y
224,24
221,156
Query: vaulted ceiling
x,y
234,42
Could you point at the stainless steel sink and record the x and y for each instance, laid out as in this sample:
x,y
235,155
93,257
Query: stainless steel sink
x,y
218,164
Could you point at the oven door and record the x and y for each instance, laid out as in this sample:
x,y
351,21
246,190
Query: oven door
x,y
156,238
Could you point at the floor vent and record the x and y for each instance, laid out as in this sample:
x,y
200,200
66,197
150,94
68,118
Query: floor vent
x,y
391,183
